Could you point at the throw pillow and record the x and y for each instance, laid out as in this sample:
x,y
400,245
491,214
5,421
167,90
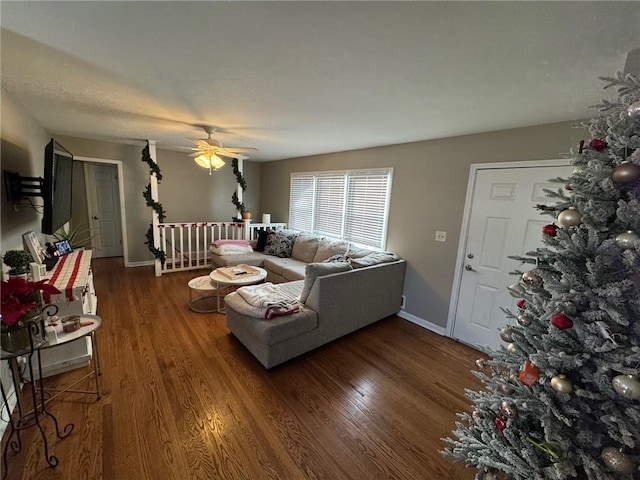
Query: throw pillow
x,y
328,248
315,270
305,247
280,243
262,240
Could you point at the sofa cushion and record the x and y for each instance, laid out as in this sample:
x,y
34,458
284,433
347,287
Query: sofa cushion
x,y
305,247
277,265
315,270
374,258
280,243
255,259
328,248
294,272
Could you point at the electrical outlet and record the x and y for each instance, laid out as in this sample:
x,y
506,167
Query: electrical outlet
x,y
404,302
441,236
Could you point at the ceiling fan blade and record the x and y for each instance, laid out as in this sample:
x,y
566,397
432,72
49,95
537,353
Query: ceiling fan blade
x,y
240,149
231,155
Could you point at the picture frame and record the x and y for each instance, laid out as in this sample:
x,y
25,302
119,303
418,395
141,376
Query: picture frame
x,y
31,242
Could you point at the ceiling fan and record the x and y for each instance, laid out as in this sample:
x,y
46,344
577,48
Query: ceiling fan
x,y
208,151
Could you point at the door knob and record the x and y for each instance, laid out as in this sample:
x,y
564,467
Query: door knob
x,y
470,255
95,217
469,268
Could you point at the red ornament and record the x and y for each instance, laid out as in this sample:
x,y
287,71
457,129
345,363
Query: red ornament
x,y
529,373
550,230
500,423
561,321
521,304
598,144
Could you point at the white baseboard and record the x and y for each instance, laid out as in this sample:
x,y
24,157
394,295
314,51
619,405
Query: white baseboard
x,y
146,263
423,323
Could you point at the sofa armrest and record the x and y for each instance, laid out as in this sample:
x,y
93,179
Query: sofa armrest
x,y
347,301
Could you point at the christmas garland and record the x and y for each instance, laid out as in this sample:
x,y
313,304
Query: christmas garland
x,y
243,185
156,206
153,166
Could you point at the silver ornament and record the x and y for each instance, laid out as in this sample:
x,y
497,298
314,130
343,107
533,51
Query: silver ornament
x,y
633,110
626,172
516,290
617,461
506,389
627,240
508,409
627,386
506,334
531,278
570,217
481,363
511,347
561,384
524,320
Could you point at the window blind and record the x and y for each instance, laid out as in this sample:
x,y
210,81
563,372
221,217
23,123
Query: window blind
x,y
350,205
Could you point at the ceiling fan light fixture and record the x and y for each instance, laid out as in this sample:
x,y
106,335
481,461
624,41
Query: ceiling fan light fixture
x,y
210,161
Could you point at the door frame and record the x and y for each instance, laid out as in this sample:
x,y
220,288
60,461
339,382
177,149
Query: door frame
x,y
466,220
123,216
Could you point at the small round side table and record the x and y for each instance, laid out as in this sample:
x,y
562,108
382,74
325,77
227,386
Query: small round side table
x,y
206,303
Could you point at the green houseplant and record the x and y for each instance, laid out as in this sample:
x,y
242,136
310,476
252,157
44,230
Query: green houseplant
x,y
17,261
79,236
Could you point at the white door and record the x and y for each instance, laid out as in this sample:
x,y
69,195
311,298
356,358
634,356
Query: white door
x,y
502,221
104,209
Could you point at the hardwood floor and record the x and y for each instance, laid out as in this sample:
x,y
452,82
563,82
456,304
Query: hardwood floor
x,y
183,399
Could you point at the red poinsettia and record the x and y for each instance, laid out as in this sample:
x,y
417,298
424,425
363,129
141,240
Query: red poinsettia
x,y
598,144
17,298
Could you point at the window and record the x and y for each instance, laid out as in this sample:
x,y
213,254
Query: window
x,y
350,205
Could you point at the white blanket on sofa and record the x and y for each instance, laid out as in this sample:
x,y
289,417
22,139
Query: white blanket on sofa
x,y
267,294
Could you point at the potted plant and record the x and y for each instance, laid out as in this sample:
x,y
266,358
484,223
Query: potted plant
x,y
17,261
77,237
21,307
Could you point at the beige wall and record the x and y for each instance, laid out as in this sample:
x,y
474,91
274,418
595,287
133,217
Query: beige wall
x,y
22,151
187,192
428,194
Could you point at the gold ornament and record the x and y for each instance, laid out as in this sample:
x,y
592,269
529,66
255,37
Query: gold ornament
x,y
627,240
506,334
532,279
570,217
627,386
524,320
511,347
561,384
617,461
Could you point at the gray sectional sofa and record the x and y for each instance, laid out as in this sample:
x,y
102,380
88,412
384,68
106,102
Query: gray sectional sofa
x,y
342,288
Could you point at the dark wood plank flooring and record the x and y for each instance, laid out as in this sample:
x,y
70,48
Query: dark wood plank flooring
x,y
183,399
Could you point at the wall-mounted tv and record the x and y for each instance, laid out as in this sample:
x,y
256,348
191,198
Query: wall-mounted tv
x,y
56,187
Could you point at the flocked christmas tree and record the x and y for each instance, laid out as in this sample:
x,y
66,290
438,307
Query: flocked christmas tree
x,y
562,397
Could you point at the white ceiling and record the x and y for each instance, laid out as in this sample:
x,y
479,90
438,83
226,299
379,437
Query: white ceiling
x,y
301,78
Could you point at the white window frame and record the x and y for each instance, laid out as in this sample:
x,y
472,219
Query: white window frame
x,y
304,218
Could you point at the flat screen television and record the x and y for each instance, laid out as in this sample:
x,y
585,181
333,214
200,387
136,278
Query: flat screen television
x,y
56,187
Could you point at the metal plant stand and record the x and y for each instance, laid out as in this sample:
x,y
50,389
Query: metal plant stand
x,y
38,412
